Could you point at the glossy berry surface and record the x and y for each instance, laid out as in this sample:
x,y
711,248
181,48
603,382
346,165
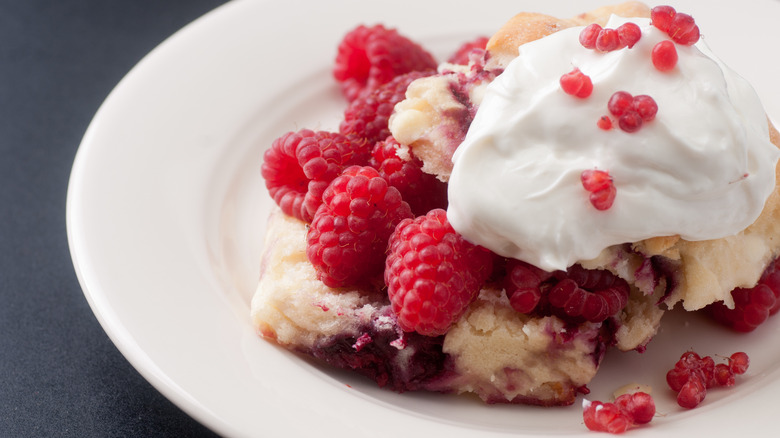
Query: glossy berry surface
x,y
752,306
692,375
349,232
626,412
589,34
661,17
629,34
576,83
367,116
664,56
433,274
369,56
602,190
299,166
422,191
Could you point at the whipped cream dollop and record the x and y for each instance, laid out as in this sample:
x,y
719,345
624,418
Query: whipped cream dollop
x,y
702,169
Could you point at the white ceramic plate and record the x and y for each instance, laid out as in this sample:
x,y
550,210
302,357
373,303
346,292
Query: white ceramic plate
x,y
166,211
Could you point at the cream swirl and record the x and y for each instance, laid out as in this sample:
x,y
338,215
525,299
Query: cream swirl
x,y
702,169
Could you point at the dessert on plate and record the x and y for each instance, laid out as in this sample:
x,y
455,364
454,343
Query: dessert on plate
x,y
494,223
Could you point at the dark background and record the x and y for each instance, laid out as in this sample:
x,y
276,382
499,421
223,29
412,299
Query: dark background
x,y
60,375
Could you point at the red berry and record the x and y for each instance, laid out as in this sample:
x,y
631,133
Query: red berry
x,y
371,56
752,306
593,179
589,34
604,198
664,55
692,393
592,295
432,273
630,121
739,362
629,34
522,285
608,40
661,17
645,106
620,102
349,233
605,417
300,165
599,183
683,29
367,116
604,123
639,406
422,191
677,377
576,84
723,375
462,55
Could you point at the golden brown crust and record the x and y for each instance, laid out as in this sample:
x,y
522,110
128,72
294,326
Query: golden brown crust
x,y
520,29
530,26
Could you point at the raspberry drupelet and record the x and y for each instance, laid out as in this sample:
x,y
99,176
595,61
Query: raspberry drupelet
x,y
300,165
432,273
349,232
369,56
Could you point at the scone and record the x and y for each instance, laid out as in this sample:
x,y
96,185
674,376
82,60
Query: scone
x,y
462,301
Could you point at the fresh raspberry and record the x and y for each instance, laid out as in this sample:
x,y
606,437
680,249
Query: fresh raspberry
x,y
461,56
371,56
752,306
300,165
523,285
367,116
421,190
575,295
590,294
432,273
348,235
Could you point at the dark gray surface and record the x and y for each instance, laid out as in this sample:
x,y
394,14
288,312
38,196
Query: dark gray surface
x,y
61,375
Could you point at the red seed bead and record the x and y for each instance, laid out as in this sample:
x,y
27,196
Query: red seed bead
x,y
593,179
589,34
608,40
661,17
629,34
630,121
620,102
604,198
683,29
723,376
645,106
604,123
739,362
576,84
692,393
664,56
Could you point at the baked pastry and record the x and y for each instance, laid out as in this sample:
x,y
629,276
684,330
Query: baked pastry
x,y
532,330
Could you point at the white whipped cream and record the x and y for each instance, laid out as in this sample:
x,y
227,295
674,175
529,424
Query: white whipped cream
x,y
702,169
